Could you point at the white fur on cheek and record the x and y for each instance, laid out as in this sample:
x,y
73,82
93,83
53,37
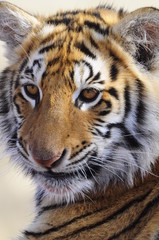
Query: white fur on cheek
x,y
17,203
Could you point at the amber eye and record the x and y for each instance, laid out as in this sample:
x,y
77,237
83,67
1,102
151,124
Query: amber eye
x,y
32,91
88,95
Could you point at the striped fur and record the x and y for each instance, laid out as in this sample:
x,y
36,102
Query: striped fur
x,y
121,213
81,92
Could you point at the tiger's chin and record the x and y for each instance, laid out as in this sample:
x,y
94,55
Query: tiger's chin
x,y
66,190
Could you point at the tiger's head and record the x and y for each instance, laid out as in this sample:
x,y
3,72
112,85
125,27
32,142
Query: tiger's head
x,y
79,102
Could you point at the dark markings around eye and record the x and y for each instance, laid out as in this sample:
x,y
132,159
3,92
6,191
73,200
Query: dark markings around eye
x,y
29,71
82,47
90,70
16,105
104,113
37,62
113,72
113,92
97,76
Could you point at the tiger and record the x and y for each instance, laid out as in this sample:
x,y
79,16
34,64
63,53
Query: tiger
x,y
79,112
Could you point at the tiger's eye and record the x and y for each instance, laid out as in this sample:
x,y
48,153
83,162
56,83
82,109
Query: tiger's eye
x,y
88,95
32,91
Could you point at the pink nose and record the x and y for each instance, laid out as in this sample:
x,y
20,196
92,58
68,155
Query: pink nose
x,y
45,159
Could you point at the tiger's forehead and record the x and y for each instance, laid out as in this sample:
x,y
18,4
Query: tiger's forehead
x,y
71,45
62,67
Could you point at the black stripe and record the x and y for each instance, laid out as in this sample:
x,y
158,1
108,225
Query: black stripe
x,y
115,58
20,141
113,216
97,76
16,105
107,103
65,21
11,84
100,120
96,14
39,196
99,132
64,14
22,97
90,69
72,74
12,141
53,62
4,109
113,92
4,104
141,109
110,217
29,71
56,44
113,72
81,159
23,65
121,12
129,137
47,48
153,203
104,113
93,43
127,101
21,153
16,84
97,27
37,62
82,47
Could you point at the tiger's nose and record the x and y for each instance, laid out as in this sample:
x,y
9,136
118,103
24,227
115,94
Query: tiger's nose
x,y
46,159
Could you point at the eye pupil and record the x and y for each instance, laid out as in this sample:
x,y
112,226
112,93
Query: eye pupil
x,y
88,94
32,91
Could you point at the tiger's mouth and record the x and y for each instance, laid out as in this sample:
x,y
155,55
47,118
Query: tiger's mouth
x,y
64,183
55,176
84,172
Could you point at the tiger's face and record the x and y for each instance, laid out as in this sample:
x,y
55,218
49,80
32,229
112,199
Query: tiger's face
x,y
77,114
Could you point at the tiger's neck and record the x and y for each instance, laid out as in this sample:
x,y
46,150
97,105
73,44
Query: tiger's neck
x,y
120,212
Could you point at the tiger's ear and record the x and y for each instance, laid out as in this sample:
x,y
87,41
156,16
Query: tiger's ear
x,y
15,24
138,33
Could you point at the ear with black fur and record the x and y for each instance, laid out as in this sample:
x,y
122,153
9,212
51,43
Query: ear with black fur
x,y
138,33
15,24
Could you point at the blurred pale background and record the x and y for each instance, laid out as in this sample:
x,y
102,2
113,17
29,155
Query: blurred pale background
x,y
8,174
51,6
